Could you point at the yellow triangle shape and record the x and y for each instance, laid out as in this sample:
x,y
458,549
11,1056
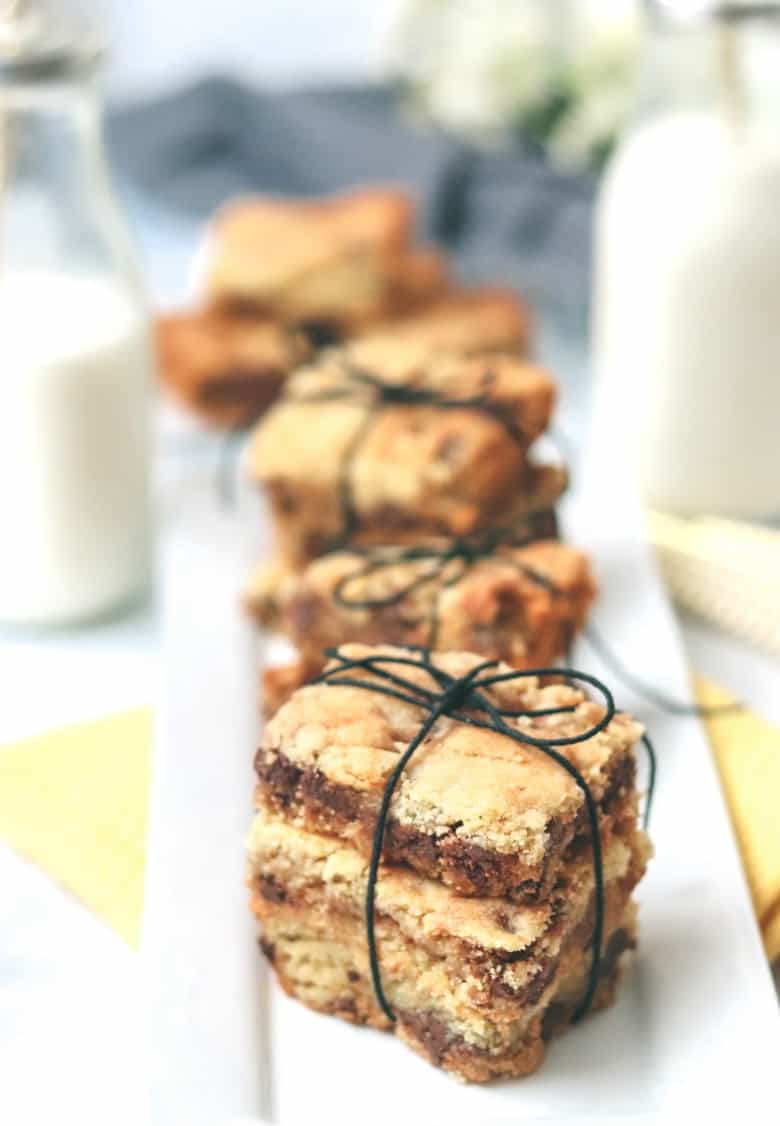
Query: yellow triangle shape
x,y
747,753
75,802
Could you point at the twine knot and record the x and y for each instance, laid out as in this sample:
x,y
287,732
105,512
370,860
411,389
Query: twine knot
x,y
460,693
466,700
449,561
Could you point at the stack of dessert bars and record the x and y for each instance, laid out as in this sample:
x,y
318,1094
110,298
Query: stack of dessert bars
x,y
283,278
416,534
485,901
409,508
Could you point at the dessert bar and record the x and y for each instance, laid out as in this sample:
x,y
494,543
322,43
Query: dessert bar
x,y
473,808
467,321
227,368
279,681
326,969
470,980
347,454
340,261
447,847
522,603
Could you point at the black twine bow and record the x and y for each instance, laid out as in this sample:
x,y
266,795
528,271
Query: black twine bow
x,y
462,551
384,394
468,550
463,698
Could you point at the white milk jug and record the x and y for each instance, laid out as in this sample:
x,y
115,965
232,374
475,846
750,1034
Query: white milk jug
x,y
686,331
75,345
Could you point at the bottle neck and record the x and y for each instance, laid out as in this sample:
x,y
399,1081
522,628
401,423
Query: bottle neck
x,y
52,132
724,67
57,208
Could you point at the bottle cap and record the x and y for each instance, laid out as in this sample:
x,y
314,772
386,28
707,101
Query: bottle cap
x,y
691,11
38,42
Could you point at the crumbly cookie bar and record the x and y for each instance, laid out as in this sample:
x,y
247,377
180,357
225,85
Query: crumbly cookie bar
x,y
227,369
498,947
468,321
473,808
309,518
318,959
478,976
340,261
522,605
337,458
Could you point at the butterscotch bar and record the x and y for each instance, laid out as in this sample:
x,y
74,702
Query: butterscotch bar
x,y
323,967
227,369
347,452
522,604
469,321
471,981
474,809
339,261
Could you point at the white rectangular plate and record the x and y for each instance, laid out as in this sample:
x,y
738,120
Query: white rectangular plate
x,y
696,1028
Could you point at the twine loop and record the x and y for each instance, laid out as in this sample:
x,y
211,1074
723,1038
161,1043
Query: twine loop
x,y
465,699
463,550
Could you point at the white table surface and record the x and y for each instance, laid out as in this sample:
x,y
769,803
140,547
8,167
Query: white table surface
x,y
70,1038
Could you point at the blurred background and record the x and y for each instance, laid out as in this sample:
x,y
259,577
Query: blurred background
x,y
616,163
157,47
438,89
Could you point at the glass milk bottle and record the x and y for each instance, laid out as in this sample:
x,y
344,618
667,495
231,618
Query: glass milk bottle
x,y
687,264
75,341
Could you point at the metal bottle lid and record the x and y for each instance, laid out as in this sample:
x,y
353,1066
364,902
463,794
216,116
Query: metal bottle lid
x,y
36,42
695,10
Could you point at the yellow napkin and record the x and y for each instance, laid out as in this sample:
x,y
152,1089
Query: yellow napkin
x,y
75,802
747,753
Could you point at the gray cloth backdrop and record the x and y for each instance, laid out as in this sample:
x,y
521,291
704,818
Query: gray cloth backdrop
x,y
506,216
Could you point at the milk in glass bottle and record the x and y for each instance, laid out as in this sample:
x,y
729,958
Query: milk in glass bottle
x,y
687,276
75,344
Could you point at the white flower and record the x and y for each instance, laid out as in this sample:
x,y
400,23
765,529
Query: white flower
x,y
602,48
600,78
484,67
477,65
588,126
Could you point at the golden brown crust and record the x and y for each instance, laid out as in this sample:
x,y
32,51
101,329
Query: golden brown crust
x,y
267,590
228,369
306,798
410,468
342,259
468,869
415,278
479,982
279,682
472,982
491,939
454,1054
308,521
522,605
496,811
321,971
468,983
467,321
